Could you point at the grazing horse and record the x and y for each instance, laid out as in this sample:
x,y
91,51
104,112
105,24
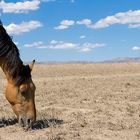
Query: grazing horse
x,y
20,90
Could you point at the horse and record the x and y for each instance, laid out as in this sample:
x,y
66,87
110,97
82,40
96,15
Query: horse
x,y
20,89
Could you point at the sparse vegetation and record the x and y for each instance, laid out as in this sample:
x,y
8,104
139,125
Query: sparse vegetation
x,y
80,101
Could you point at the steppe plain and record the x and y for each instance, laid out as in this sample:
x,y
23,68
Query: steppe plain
x,y
79,102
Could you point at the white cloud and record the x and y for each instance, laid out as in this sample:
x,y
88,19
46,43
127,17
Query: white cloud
x,y
85,50
48,0
72,1
23,27
38,44
52,45
136,48
62,45
134,25
130,18
53,42
105,22
91,45
87,47
84,47
19,7
42,47
34,44
64,24
87,22
82,36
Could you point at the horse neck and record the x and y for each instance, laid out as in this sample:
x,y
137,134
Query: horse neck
x,y
9,76
10,61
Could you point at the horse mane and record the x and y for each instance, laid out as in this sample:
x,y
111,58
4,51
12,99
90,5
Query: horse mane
x,y
10,59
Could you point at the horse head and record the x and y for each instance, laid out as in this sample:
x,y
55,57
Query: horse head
x,y
21,95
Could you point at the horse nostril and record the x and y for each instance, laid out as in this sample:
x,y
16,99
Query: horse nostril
x,y
28,121
21,122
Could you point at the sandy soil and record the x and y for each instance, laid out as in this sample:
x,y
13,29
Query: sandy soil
x,y
80,102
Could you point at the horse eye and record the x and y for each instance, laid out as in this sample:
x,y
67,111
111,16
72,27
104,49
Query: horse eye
x,y
23,92
23,89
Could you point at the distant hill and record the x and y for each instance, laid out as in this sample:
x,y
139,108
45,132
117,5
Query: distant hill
x,y
122,60
115,60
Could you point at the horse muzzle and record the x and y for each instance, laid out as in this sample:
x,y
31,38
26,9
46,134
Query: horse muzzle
x,y
26,122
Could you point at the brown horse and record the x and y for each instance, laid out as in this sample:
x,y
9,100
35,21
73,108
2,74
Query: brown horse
x,y
20,91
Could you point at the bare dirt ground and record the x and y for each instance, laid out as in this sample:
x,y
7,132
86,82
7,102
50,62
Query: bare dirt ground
x,y
80,102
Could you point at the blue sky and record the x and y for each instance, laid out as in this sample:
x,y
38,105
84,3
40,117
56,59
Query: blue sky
x,y
73,30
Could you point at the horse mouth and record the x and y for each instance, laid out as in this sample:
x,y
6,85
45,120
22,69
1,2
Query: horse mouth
x,y
26,123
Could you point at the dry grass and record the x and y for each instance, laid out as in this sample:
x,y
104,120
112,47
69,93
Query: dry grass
x,y
80,101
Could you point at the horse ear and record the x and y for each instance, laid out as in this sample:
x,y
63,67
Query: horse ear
x,y
1,22
32,65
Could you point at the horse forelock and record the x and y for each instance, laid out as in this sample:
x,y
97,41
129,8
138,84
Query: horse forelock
x,y
23,75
